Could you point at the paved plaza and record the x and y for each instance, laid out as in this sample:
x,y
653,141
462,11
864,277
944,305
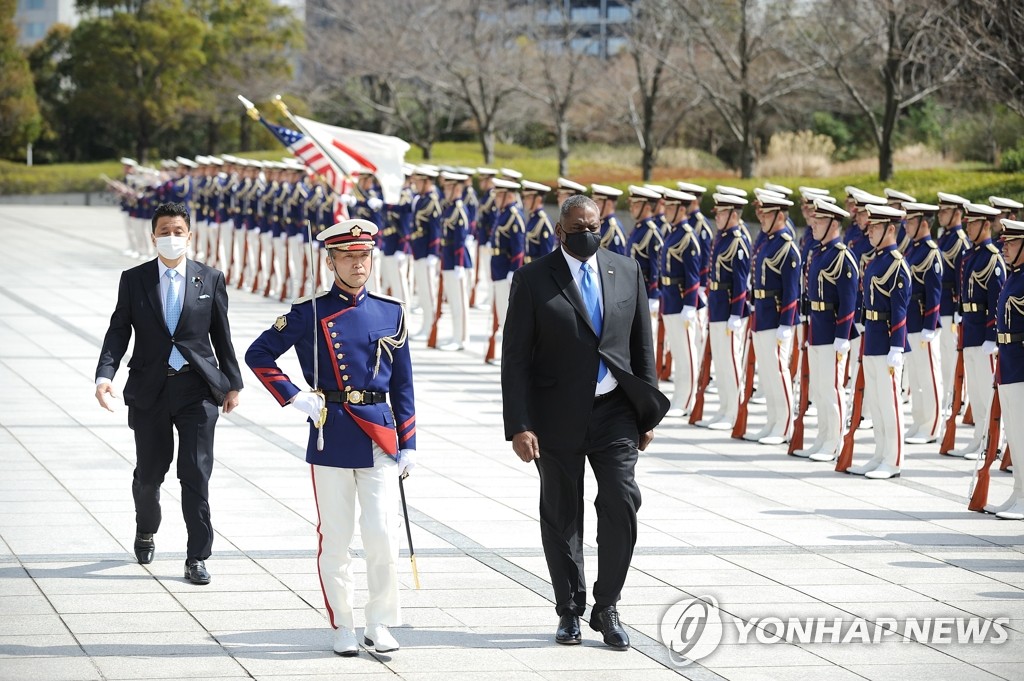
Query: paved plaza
x,y
762,534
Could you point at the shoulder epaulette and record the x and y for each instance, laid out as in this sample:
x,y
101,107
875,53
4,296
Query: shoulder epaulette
x,y
786,236
306,299
992,248
381,296
841,246
896,255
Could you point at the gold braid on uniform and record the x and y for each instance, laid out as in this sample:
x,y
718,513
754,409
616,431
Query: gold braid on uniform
x,y
878,283
832,273
535,235
641,246
689,239
613,229
776,262
981,277
1014,305
920,269
390,343
724,261
950,256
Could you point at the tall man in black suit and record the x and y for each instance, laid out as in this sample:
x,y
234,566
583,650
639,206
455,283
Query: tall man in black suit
x,y
578,383
182,367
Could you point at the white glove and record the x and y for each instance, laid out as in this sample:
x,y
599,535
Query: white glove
x,y
895,358
957,317
689,313
406,461
432,259
460,272
509,277
784,333
653,304
373,203
399,256
860,328
989,347
348,200
735,323
703,295
928,335
841,346
309,404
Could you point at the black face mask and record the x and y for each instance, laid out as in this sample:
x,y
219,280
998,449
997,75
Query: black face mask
x,y
583,244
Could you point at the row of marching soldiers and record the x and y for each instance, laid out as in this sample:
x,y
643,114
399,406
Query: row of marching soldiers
x,y
866,306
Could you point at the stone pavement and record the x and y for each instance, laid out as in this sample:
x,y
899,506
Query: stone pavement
x,y
765,535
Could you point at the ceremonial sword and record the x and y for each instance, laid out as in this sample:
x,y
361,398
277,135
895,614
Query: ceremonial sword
x,y
315,280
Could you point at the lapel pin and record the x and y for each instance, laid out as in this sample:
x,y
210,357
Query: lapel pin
x,y
196,281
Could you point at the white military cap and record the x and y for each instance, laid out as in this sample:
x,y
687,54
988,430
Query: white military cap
x,y
824,197
125,161
349,235
656,188
168,164
674,196
503,184
725,189
605,190
727,200
213,160
759,193
951,199
636,192
914,209
511,174
864,199
408,169
1005,204
535,187
449,176
803,189
202,160
570,186
880,213
828,209
187,162
466,170
778,189
1012,229
773,201
293,164
981,211
486,172
430,166
896,195
690,187
425,171
851,190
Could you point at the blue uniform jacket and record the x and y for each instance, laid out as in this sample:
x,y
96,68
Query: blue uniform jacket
x,y
886,289
925,263
953,244
644,246
361,341
454,229
613,237
540,235
832,282
425,238
775,281
1010,325
509,239
680,269
982,274
727,282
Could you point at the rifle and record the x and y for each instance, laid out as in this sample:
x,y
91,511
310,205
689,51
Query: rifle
x,y
476,278
489,357
797,441
968,416
978,494
949,437
432,340
845,459
739,428
697,413
1007,461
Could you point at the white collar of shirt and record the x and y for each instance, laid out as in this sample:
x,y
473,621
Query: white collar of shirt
x,y
576,269
180,269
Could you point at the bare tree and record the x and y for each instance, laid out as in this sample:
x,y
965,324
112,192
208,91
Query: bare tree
x,y
992,31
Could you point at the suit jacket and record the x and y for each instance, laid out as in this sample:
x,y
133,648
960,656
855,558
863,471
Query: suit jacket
x,y
550,351
202,334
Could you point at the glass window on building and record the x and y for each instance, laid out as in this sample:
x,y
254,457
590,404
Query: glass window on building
x,y
29,5
34,30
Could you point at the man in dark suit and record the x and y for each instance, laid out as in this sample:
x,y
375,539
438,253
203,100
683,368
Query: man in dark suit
x,y
182,367
578,382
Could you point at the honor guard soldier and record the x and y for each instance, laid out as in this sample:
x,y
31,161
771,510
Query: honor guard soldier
x,y
886,289
353,351
264,215
644,243
775,281
218,213
370,206
727,307
395,245
201,193
705,235
567,188
924,372
485,217
981,277
455,260
832,282
664,225
425,241
1010,337
953,243
509,249
613,237
277,211
540,233
1008,208
895,199
736,191
680,282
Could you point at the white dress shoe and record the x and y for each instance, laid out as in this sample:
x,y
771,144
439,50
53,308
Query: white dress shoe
x,y
883,472
973,456
706,423
828,452
723,424
453,346
912,431
864,468
865,424
378,636
675,412
756,437
998,508
808,452
921,439
774,439
1015,512
345,642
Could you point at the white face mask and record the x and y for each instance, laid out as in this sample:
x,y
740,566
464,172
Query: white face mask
x,y
171,247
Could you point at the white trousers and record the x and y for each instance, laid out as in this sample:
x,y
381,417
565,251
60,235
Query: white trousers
x,y
214,247
947,356
277,275
376,489
296,266
886,408
483,282
775,381
425,277
925,379
132,234
229,247
266,263
682,341
394,280
456,292
374,282
1010,394
252,258
825,389
144,232
725,351
501,289
979,372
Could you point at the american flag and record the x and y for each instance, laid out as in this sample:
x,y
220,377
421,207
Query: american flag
x,y
307,151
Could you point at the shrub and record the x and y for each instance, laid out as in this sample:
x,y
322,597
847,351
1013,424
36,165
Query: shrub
x,y
802,153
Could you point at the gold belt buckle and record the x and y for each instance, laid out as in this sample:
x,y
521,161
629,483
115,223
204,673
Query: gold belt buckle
x,y
355,397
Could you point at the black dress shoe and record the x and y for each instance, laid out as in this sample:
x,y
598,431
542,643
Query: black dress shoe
x,y
145,546
607,622
195,571
568,633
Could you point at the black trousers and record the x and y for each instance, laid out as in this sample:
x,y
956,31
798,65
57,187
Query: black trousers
x,y
611,447
186,404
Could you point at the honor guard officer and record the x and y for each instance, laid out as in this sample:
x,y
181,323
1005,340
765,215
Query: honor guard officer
x,y
1008,208
455,260
370,206
863,252
735,191
680,282
664,225
895,199
924,373
485,217
981,277
727,307
832,282
613,237
567,188
540,233
953,243
1010,336
644,243
426,244
705,235
395,244
509,248
353,351
775,280
886,288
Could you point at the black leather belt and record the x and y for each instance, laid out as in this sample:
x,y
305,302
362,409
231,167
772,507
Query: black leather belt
x,y
949,285
670,281
821,306
605,396
183,370
762,293
974,307
355,396
876,316
719,286
1007,338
